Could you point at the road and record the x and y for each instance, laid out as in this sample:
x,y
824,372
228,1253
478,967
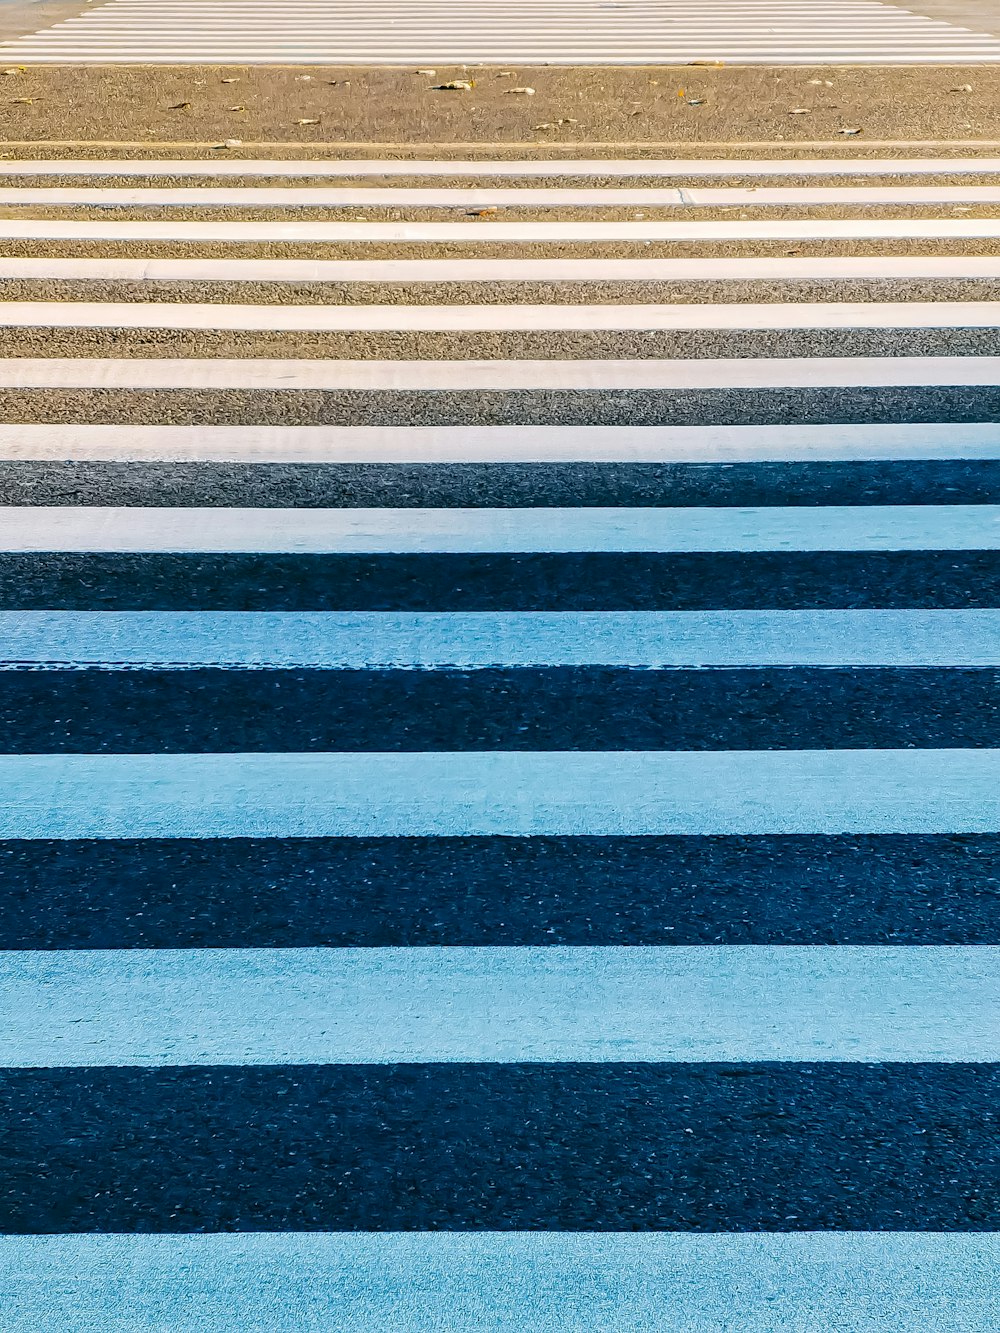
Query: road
x,y
499,794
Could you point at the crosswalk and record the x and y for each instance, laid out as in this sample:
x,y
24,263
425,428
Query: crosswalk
x,y
499,785
554,32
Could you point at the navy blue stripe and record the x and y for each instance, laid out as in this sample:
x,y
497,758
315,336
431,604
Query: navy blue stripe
x,y
500,485
555,708
285,893
588,581
900,1147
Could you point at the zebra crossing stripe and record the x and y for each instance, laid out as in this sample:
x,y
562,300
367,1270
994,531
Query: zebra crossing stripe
x,y
462,531
882,268
389,1006
209,196
428,445
222,374
464,1280
373,640
490,231
605,168
499,794
500,318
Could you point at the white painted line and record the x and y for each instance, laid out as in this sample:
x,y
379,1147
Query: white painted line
x,y
497,793
427,1005
499,318
113,640
838,196
333,376
489,231
245,196
750,269
471,531
685,168
334,445
492,1282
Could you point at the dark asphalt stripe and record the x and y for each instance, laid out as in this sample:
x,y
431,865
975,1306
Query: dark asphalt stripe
x,y
500,485
681,407
288,893
523,344
775,1147
210,709
587,581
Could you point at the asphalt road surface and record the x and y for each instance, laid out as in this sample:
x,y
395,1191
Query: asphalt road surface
x,y
499,780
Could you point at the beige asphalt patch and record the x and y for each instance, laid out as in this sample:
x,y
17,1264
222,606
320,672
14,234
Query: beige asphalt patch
x,y
494,293
543,346
746,249
161,104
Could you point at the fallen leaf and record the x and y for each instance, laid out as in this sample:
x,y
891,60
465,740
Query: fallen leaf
x,y
20,69
962,88
528,92
481,212
850,130
180,106
455,86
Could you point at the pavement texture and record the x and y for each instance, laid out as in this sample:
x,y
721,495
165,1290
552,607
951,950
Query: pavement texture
x,y
334,110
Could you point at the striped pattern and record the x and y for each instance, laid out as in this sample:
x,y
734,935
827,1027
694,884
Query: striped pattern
x,y
568,32
498,768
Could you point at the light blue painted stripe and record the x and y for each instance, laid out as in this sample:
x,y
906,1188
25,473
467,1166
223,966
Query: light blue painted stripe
x,y
858,442
468,531
498,1282
744,1003
496,792
357,639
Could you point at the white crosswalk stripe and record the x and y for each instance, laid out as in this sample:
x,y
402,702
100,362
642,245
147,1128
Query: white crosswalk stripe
x,y
568,32
499,786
